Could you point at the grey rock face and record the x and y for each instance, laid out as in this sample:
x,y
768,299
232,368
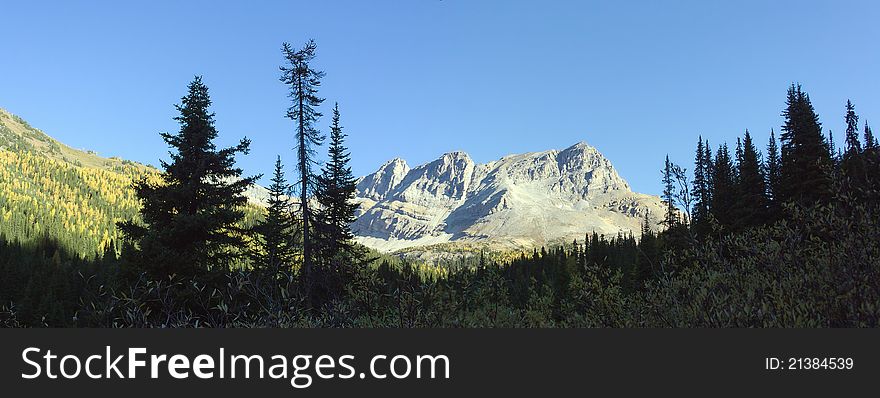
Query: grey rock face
x,y
519,200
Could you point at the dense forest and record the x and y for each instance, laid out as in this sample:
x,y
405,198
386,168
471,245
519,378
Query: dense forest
x,y
783,237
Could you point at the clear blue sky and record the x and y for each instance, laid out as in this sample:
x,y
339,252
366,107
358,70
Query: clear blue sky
x,y
418,78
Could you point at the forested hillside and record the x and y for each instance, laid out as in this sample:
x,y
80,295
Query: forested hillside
x,y
74,197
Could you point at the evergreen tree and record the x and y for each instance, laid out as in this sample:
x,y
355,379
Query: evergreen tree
x,y
701,189
336,191
709,171
723,189
303,82
277,233
870,141
772,169
871,156
853,145
648,256
671,217
191,219
739,152
751,188
853,163
805,163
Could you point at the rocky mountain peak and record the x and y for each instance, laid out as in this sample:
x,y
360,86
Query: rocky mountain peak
x,y
377,185
580,145
520,199
456,156
450,166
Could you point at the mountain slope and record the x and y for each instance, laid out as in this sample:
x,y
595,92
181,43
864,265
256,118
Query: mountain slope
x,y
16,135
48,189
517,201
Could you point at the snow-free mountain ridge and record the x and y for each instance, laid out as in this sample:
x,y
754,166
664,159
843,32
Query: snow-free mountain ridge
x,y
520,200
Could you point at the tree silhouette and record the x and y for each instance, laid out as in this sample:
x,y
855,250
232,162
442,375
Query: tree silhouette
x,y
303,83
191,219
724,195
702,189
335,192
751,208
771,167
853,145
277,233
671,217
805,162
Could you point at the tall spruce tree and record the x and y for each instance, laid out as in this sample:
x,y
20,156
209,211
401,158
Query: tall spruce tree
x,y
191,221
724,194
772,169
671,217
648,253
870,141
871,156
303,83
805,168
701,190
751,208
738,153
710,166
853,164
335,192
853,145
277,232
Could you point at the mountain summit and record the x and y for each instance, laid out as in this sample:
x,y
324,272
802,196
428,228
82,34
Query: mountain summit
x,y
519,200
